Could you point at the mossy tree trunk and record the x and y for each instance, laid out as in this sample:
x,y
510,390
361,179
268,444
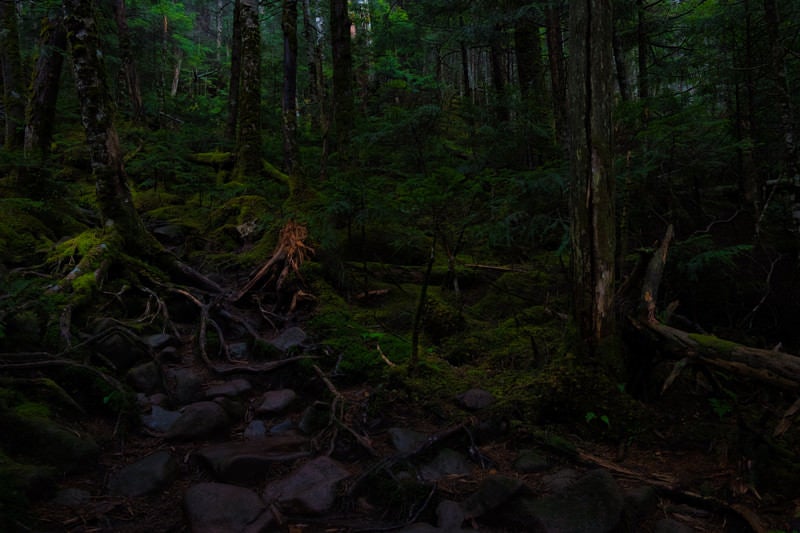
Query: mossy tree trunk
x,y
41,110
11,75
248,138
236,73
555,56
113,194
593,229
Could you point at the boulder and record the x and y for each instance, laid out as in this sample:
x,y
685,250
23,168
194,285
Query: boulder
x,y
144,476
221,508
311,489
198,420
251,461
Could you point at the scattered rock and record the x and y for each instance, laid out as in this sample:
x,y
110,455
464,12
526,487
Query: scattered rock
x,y
249,461
231,389
220,508
197,420
145,377
475,399
159,341
447,463
529,461
593,504
450,515
405,440
184,385
314,418
145,476
493,492
311,489
275,401
289,338
72,497
281,427
121,350
239,351
160,419
255,430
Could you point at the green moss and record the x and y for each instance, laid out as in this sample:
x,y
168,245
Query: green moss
x,y
32,409
715,344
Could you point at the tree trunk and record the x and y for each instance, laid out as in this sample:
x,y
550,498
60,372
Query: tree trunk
x,y
128,72
499,81
41,110
11,72
621,70
528,46
248,139
343,103
643,46
113,194
555,55
591,78
236,73
291,155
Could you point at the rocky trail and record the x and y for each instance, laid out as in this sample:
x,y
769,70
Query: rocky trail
x,y
254,445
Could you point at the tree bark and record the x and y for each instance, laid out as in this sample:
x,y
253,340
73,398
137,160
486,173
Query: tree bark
x,y
558,83
291,155
248,138
11,73
593,228
41,110
113,193
499,80
643,47
128,72
343,98
236,73
528,46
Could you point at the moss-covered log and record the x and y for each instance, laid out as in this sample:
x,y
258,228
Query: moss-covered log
x,y
773,368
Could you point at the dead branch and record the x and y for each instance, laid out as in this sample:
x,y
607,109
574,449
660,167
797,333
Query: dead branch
x,y
337,415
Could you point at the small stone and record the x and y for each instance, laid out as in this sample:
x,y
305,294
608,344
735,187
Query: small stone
x,y
475,399
446,463
160,419
145,377
232,388
276,401
159,341
289,338
144,476
197,420
184,385
529,461
311,489
668,525
255,430
218,508
406,440
72,497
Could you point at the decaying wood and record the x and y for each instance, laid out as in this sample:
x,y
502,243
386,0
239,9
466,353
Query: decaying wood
x,y
289,255
767,366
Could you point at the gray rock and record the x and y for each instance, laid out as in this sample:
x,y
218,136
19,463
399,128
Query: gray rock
x,y
275,401
145,377
667,525
197,420
239,351
314,418
160,419
221,508
450,515
446,463
593,504
184,385
559,480
475,399
169,354
281,427
230,389
249,461
159,341
169,234
311,489
255,430
493,492
72,497
529,461
640,502
145,476
289,338
121,350
406,440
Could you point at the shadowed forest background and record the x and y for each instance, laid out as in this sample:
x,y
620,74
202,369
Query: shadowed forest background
x,y
592,214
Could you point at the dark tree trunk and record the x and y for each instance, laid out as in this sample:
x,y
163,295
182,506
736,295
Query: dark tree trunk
x,y
528,47
248,138
236,73
41,110
291,155
643,46
343,102
558,84
499,79
621,70
591,78
128,72
11,72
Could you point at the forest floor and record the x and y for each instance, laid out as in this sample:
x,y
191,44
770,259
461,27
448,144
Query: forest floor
x,y
405,444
